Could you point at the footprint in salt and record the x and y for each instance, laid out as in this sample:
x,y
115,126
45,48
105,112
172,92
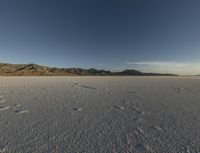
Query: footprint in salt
x,y
2,100
87,87
140,130
21,111
4,108
117,107
2,150
158,128
75,85
17,105
78,109
127,101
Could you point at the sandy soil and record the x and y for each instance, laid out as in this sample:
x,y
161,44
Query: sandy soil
x,y
99,114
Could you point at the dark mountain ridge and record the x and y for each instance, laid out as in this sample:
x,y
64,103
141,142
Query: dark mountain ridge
x,y
38,70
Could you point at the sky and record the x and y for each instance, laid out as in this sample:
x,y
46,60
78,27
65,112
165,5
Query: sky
x,y
147,35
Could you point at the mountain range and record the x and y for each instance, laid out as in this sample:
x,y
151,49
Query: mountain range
x,y
38,70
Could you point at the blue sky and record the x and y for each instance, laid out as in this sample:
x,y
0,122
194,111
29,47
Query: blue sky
x,y
151,36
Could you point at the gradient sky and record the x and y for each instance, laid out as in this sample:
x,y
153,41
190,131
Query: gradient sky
x,y
147,35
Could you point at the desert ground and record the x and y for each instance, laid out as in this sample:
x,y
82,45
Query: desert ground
x,y
100,114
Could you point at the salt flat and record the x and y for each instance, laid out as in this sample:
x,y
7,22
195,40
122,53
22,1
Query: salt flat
x,y
99,114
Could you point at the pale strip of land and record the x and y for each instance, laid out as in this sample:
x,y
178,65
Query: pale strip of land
x,y
99,114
